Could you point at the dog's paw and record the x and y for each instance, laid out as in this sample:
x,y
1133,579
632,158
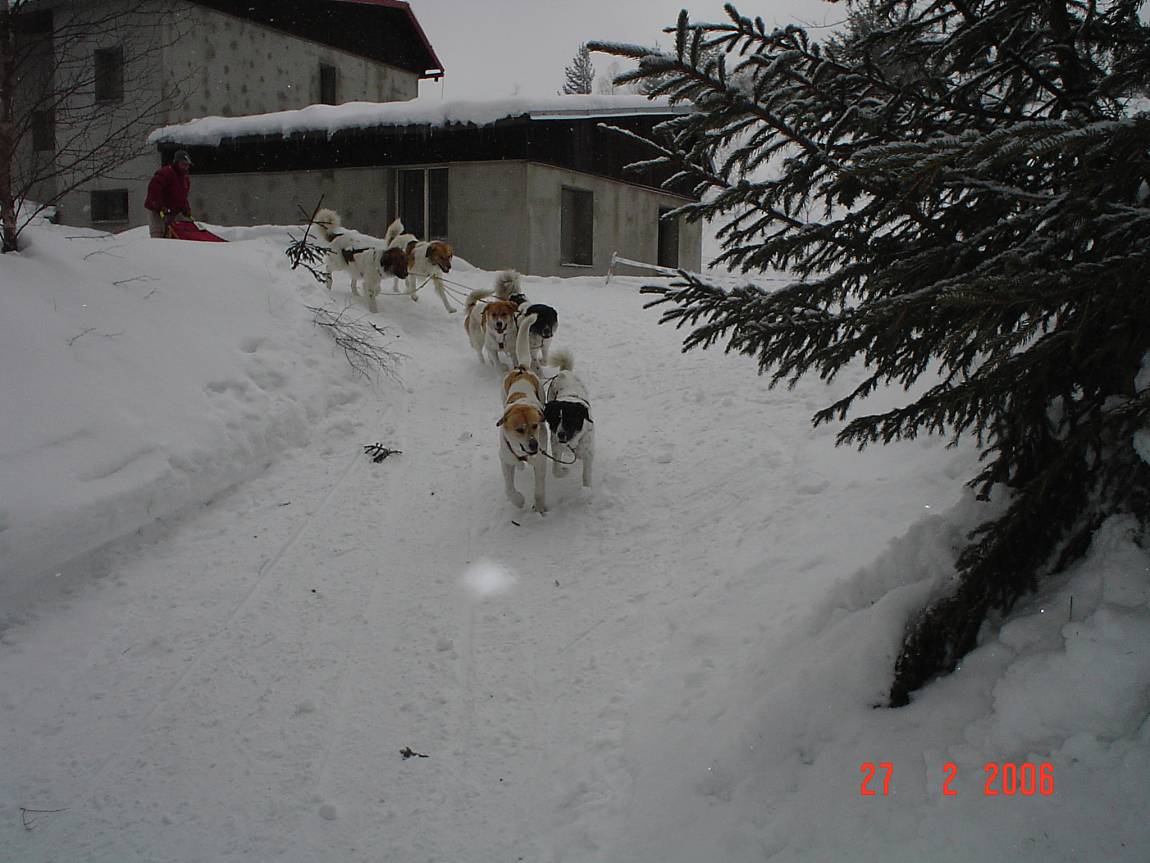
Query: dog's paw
x,y
516,498
540,507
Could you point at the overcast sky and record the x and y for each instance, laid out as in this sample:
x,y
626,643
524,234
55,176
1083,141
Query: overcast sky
x,y
492,49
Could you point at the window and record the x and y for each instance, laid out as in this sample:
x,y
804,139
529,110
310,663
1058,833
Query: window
x,y
576,227
43,131
109,78
422,204
328,76
109,205
668,239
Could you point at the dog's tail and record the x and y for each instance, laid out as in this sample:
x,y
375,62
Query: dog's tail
x,y
393,231
474,297
506,284
523,340
327,221
564,359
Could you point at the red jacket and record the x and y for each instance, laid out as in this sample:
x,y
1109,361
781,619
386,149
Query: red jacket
x,y
168,190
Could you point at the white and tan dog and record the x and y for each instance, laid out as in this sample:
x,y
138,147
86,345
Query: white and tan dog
x,y
362,261
543,327
425,260
521,435
568,415
491,327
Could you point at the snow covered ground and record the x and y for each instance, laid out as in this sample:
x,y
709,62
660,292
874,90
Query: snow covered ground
x,y
220,622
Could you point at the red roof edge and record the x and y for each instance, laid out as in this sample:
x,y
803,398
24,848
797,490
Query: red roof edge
x,y
434,73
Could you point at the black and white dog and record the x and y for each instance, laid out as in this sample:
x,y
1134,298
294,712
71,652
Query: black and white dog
x,y
542,332
568,415
546,320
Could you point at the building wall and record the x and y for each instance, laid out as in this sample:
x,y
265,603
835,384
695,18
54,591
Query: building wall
x,y
114,132
500,214
486,217
364,197
220,65
228,66
626,221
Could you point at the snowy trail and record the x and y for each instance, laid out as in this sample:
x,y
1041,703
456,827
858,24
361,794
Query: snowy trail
x,y
251,672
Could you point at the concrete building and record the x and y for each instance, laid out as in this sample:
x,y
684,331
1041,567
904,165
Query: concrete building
x,y
536,185
123,67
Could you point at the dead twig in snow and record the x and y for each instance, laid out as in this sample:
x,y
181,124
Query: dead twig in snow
x,y
379,452
72,340
78,336
136,279
104,252
301,253
30,823
356,338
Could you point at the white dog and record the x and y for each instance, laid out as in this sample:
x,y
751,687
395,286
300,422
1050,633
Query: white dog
x,y
491,327
361,260
425,260
521,430
568,415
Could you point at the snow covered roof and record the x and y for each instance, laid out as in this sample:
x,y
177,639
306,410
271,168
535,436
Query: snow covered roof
x,y
209,131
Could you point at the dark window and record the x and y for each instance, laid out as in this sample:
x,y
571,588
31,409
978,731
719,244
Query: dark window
x,y
668,239
423,202
110,205
576,227
437,204
43,131
411,201
328,76
109,74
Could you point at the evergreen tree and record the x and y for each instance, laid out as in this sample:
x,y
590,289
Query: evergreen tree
x,y
580,75
962,191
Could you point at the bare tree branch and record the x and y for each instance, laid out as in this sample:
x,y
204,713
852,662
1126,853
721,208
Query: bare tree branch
x,y
58,131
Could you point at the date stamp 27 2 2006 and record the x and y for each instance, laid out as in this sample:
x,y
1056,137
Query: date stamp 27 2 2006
x,y
1001,779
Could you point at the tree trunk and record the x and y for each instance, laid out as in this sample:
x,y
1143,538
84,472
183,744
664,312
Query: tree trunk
x,y
7,134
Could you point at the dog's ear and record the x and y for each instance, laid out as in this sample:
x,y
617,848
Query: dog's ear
x,y
502,420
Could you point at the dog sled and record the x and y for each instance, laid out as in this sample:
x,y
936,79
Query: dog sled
x,y
187,230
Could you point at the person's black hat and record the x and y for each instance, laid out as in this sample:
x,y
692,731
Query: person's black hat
x,y
181,156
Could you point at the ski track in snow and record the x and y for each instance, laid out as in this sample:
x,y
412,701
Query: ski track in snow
x,y
252,671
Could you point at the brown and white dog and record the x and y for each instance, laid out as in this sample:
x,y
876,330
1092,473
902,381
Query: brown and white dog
x,y
425,260
543,327
521,434
491,327
361,259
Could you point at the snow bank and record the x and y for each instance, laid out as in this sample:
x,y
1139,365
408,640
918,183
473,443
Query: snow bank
x,y
142,376
209,131
683,665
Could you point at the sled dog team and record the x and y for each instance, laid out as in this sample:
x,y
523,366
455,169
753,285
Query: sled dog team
x,y
401,255
500,323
